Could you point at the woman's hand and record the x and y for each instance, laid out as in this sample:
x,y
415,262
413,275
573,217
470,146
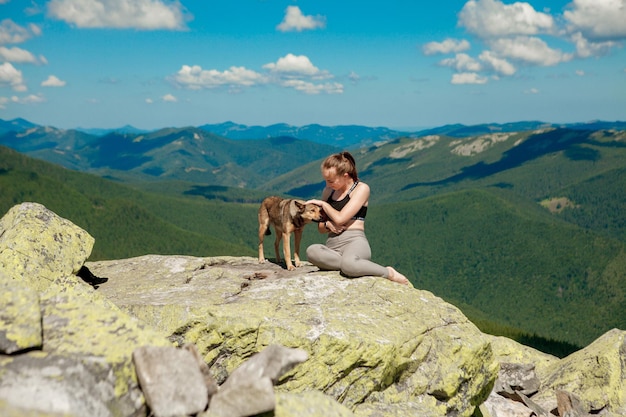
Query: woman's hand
x,y
316,202
334,228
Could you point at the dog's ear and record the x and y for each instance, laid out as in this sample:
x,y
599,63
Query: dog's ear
x,y
300,205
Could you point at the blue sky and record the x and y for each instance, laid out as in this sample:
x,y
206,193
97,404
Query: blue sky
x,y
399,64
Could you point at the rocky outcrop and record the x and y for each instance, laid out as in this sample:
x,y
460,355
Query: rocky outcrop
x,y
313,343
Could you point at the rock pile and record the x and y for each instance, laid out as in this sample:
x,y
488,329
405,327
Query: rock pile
x,y
225,336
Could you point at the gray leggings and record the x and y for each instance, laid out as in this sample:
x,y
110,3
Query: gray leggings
x,y
348,252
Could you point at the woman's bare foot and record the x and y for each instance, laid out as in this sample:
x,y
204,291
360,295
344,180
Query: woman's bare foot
x,y
395,276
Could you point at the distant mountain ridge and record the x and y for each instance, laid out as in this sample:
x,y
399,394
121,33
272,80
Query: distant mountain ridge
x,y
342,136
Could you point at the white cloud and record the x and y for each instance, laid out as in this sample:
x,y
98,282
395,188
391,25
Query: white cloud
x,y
497,64
169,98
462,63
195,78
3,102
445,47
290,71
598,20
29,99
586,48
529,50
17,55
149,101
492,18
532,91
10,32
580,73
120,14
468,78
12,77
53,81
296,66
294,20
308,87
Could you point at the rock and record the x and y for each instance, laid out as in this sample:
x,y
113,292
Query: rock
x,y
38,246
58,385
171,381
310,404
587,382
374,348
87,341
596,375
514,379
20,316
249,390
371,343
209,381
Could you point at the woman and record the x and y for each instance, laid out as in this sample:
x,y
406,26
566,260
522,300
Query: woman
x,y
345,201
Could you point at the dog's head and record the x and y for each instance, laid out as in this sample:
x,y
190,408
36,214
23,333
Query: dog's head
x,y
309,212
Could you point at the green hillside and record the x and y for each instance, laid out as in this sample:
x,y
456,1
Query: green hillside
x,y
123,221
509,260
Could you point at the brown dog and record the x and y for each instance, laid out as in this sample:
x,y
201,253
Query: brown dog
x,y
288,216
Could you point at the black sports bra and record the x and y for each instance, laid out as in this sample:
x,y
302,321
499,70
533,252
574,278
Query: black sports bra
x,y
340,204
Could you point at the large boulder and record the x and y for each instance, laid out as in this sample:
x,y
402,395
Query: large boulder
x,y
373,345
64,348
326,345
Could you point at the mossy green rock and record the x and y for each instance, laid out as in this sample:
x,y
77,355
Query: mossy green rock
x,y
20,316
373,344
38,246
54,322
595,374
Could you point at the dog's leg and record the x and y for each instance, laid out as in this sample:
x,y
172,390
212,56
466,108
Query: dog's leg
x,y
263,228
296,252
279,235
287,251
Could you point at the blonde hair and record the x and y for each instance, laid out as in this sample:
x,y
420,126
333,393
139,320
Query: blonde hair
x,y
343,162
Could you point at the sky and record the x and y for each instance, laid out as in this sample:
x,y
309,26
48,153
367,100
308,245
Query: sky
x,y
400,64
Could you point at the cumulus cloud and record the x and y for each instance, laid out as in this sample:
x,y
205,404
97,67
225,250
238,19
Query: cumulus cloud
x,y
516,35
586,48
53,81
169,98
497,64
195,78
17,55
492,18
291,71
120,14
468,78
29,99
597,20
10,76
308,87
11,32
462,63
296,66
295,21
530,50
445,47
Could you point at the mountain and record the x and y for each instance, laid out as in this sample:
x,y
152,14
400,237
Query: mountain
x,y
102,132
15,125
346,137
175,154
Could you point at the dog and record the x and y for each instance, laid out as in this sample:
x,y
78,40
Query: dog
x,y
287,216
